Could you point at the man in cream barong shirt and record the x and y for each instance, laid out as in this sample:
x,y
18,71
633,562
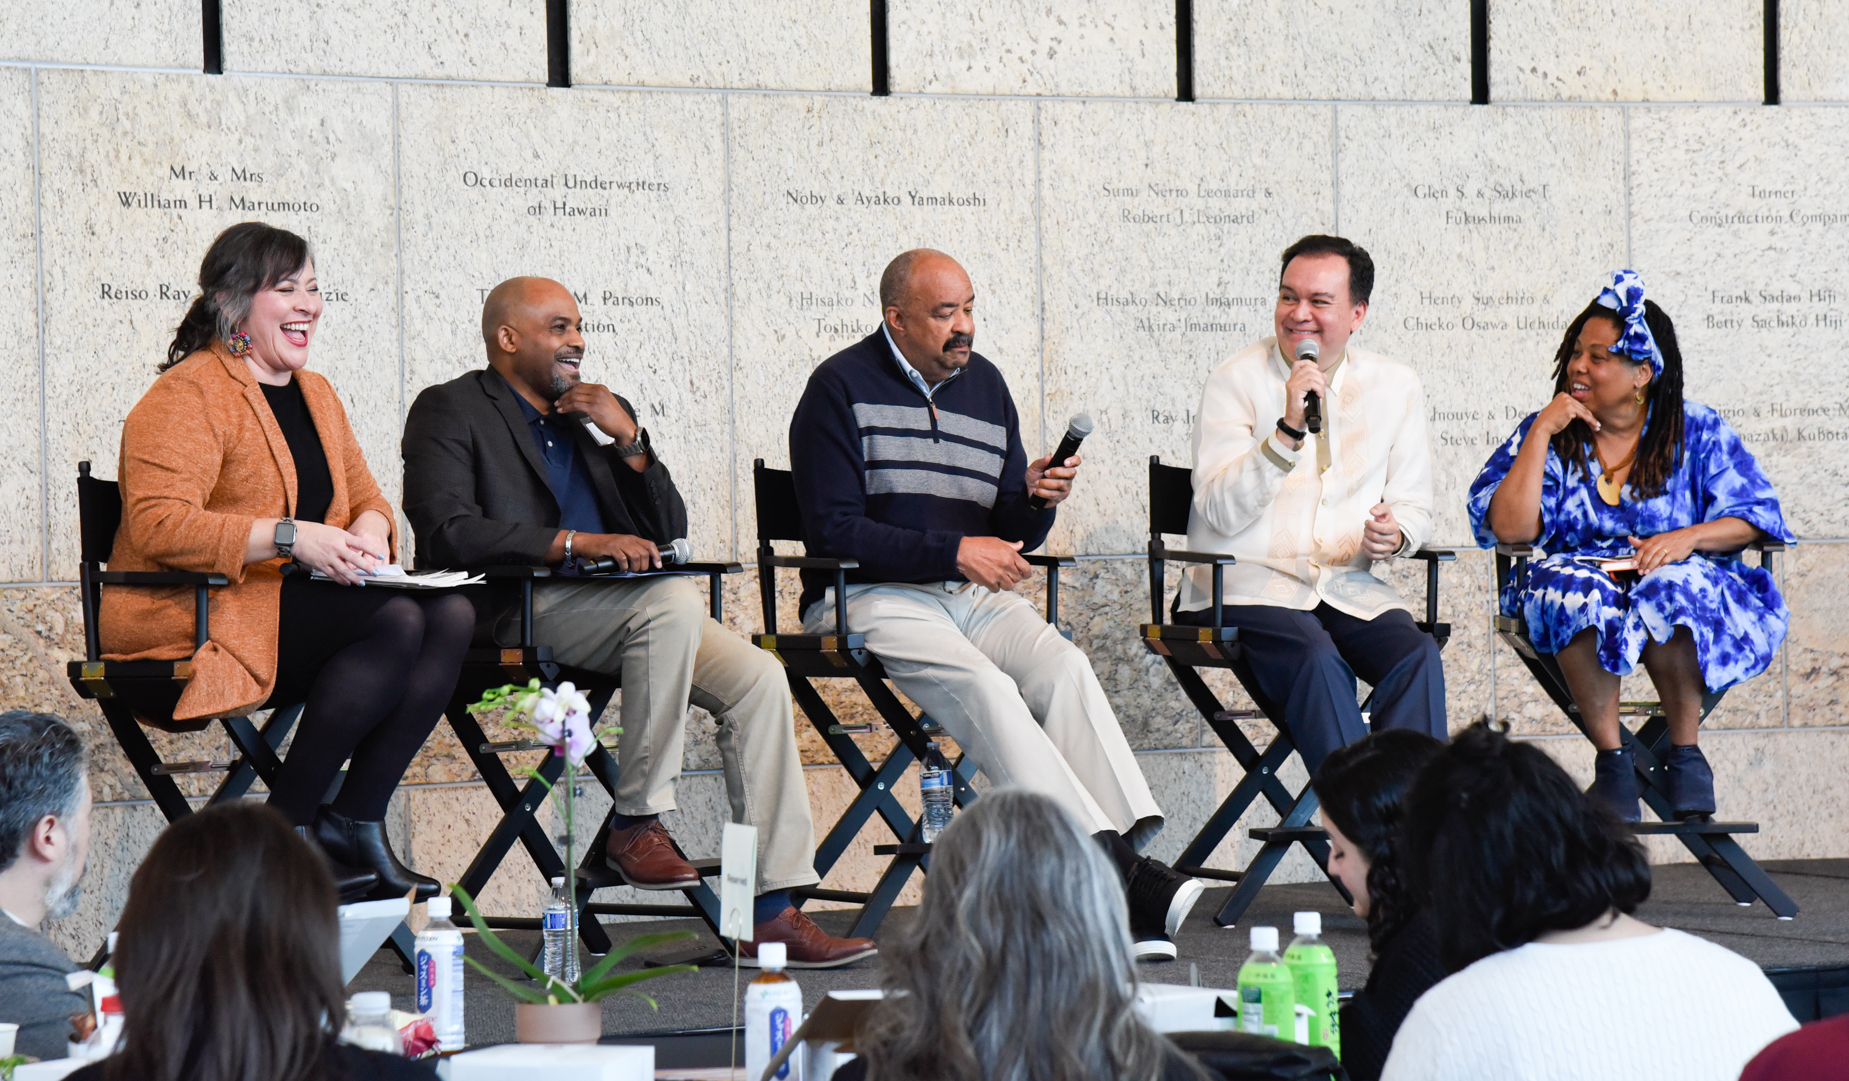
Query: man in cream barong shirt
x,y
1308,516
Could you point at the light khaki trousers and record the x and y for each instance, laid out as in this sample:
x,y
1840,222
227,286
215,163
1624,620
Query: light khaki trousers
x,y
1016,696
655,634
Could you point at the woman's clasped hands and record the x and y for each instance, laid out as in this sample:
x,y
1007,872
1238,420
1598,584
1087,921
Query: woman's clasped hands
x,y
346,556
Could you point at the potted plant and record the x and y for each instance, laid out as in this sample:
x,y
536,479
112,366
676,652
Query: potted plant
x,y
555,1011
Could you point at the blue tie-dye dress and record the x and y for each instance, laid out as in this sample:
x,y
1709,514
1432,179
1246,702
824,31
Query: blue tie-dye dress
x,y
1733,610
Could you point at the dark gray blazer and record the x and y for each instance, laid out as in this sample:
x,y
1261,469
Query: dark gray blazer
x,y
33,993
475,487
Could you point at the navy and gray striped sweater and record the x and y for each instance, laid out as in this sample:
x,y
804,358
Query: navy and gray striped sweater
x,y
888,478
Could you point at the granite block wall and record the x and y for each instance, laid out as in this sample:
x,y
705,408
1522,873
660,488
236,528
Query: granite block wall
x,y
721,191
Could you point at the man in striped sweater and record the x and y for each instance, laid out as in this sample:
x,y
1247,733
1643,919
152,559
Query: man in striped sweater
x,y
907,456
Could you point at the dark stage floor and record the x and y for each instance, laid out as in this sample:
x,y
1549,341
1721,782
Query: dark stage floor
x,y
1683,896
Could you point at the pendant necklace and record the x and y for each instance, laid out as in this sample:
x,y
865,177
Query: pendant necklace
x,y
1609,488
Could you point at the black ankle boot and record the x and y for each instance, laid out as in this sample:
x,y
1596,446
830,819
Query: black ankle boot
x,y
363,844
1691,782
351,883
1614,782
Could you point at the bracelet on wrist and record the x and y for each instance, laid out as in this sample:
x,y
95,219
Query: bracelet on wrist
x,y
1290,431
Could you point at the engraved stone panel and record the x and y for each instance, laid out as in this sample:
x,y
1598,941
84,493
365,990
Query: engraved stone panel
x,y
825,192
1813,51
128,217
1161,229
493,40
1610,50
1740,237
792,45
21,529
1383,50
619,196
1815,584
1117,48
1490,229
147,33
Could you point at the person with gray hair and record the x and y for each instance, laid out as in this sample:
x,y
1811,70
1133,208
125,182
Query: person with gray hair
x,y
1019,964
44,844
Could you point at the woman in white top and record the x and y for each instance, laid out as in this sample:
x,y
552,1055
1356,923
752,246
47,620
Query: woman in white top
x,y
1532,886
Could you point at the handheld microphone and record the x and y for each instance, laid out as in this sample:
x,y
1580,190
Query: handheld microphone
x,y
1076,430
678,551
1307,349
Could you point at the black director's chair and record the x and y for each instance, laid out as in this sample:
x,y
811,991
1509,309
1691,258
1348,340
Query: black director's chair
x,y
131,694
492,666
1710,842
841,655
1188,648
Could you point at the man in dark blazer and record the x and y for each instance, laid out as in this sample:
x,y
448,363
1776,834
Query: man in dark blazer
x,y
523,462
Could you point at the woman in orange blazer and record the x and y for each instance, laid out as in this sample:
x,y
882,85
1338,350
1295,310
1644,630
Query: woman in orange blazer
x,y
238,460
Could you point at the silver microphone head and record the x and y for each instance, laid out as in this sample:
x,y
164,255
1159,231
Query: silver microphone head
x,y
679,550
1079,426
1307,349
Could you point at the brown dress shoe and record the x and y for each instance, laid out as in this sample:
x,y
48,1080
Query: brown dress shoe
x,y
646,856
809,946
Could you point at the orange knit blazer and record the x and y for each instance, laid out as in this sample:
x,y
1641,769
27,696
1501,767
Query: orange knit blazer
x,y
202,458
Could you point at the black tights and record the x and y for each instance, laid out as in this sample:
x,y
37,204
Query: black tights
x,y
376,667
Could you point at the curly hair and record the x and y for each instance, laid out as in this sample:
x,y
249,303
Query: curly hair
x,y
1361,788
1659,450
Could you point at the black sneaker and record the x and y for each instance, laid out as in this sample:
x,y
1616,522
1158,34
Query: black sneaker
x,y
1153,945
1160,896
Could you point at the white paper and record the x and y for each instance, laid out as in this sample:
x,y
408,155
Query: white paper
x,y
738,877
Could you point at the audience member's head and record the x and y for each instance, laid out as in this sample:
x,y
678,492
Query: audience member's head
x,y
1019,962
1504,847
1361,788
228,960
44,816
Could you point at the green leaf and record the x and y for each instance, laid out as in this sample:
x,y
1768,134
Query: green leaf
x,y
591,992
629,947
493,940
519,991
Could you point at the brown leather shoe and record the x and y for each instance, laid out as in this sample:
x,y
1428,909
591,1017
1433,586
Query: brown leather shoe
x,y
646,856
809,946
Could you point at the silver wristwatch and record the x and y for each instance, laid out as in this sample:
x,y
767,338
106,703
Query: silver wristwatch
x,y
569,534
640,446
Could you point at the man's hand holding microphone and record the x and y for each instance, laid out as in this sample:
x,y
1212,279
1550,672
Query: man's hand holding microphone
x,y
996,564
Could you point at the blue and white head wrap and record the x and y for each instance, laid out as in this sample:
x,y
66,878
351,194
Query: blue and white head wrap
x,y
1625,295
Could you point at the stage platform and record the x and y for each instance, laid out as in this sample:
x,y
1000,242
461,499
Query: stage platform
x,y
1807,956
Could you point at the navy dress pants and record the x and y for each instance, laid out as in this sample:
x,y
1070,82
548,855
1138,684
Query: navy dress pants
x,y
1306,662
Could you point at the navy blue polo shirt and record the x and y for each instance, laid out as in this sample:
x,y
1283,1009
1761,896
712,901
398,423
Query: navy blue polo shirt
x,y
565,470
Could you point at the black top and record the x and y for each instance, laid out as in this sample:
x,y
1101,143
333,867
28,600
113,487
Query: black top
x,y
314,484
1407,967
344,1064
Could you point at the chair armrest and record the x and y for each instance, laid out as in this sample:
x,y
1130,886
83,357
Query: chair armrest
x,y
514,571
1768,545
1435,555
1050,561
1180,555
1519,551
810,563
161,578
706,568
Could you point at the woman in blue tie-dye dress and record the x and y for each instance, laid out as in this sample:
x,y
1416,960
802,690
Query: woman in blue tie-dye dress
x,y
1626,469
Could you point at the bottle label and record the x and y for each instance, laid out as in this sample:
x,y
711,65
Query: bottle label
x,y
934,779
779,1035
426,980
556,920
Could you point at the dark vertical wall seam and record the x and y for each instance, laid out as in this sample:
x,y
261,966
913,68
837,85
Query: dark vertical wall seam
x,y
1479,52
1771,18
210,21
558,44
882,65
1184,50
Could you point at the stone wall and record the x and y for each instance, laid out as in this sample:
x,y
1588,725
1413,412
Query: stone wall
x,y
721,190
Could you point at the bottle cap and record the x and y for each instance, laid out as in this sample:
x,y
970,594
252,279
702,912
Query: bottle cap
x,y
1307,923
558,882
370,1002
772,956
437,908
1265,939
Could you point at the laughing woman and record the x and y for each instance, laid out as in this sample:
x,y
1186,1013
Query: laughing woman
x,y
1623,468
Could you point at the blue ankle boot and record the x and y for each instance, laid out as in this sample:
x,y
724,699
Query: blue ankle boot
x,y
1690,781
1614,783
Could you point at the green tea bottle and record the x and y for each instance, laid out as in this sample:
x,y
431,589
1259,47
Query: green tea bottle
x,y
1312,969
1267,992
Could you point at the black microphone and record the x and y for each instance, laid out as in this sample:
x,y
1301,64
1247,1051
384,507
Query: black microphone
x,y
1307,349
1076,430
679,551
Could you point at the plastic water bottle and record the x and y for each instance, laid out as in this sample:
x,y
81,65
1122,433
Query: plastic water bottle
x,y
936,784
1267,992
773,1011
439,975
561,958
1312,969
369,1023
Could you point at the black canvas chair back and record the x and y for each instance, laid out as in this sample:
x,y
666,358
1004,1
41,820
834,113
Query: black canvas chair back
x,y
1185,649
1712,843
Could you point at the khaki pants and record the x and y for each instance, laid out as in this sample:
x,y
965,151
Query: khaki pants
x,y
1019,699
655,634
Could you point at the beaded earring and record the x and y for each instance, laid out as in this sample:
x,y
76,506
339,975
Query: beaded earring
x,y
239,344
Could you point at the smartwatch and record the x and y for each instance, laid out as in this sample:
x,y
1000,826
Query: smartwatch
x,y
285,538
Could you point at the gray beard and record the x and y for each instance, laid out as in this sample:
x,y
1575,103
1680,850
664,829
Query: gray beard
x,y
560,385
64,894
